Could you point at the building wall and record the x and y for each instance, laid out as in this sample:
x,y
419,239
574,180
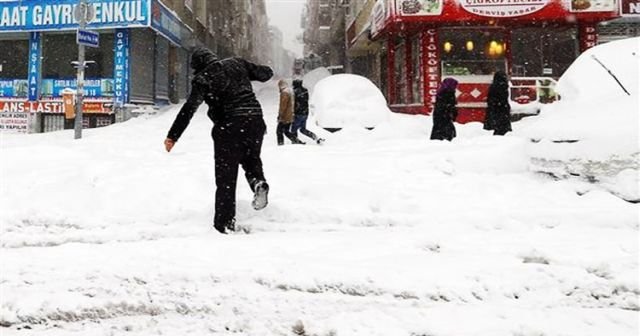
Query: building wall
x,y
324,30
223,25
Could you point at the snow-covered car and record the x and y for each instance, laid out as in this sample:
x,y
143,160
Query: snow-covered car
x,y
345,100
592,132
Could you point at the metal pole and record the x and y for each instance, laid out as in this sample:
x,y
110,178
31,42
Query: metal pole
x,y
81,67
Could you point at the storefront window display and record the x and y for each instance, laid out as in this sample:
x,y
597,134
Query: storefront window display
x,y
60,50
400,73
13,72
472,52
536,52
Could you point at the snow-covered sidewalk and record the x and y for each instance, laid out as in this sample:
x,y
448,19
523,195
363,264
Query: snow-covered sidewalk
x,y
378,232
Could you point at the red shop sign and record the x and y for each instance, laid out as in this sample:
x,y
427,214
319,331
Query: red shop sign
x,y
503,8
630,8
30,107
432,68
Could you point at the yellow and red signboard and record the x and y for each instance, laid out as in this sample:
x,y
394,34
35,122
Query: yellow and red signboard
x,y
54,106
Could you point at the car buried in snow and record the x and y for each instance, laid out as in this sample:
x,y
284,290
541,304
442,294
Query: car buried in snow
x,y
347,100
592,132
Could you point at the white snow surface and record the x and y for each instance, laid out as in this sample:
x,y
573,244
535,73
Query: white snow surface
x,y
380,232
347,100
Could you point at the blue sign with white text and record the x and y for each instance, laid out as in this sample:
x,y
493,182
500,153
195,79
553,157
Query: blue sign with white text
x,y
39,15
35,65
99,87
121,68
15,88
88,38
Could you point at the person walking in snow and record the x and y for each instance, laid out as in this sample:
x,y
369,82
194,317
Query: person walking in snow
x,y
301,111
445,111
498,116
238,130
285,115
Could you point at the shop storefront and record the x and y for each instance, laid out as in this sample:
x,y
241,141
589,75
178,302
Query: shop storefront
x,y
141,59
534,41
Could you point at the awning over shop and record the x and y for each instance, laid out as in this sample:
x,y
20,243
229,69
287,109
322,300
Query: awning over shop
x,y
393,15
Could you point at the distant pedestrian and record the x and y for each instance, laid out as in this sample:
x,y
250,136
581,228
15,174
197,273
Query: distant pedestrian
x,y
301,112
238,130
445,111
498,116
285,115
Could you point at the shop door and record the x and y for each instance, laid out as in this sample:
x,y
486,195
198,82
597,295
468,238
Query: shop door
x,y
161,69
142,73
182,73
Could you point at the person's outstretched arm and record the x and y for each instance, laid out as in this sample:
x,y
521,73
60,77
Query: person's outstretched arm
x,y
256,72
184,117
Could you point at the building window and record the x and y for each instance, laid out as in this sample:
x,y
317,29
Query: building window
x,y
59,50
543,51
401,74
472,52
13,59
417,82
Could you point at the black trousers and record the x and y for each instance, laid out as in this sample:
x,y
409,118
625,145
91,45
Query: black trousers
x,y
285,129
236,141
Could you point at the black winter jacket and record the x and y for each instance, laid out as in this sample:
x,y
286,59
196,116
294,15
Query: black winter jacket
x,y
444,114
225,85
301,101
498,114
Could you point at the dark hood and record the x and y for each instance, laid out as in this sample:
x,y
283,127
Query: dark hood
x,y
500,79
201,58
297,83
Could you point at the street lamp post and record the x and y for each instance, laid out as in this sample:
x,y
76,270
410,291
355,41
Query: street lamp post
x,y
82,16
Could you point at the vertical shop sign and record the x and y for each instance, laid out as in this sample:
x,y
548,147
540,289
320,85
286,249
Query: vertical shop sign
x,y
35,64
121,68
588,36
431,67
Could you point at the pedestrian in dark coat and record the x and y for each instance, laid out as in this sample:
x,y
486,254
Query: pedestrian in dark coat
x,y
301,111
285,115
498,116
445,111
238,131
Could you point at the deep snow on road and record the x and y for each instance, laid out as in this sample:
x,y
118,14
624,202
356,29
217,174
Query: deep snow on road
x,y
377,232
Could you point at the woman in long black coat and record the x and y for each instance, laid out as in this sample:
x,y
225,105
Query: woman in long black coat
x,y
498,116
445,111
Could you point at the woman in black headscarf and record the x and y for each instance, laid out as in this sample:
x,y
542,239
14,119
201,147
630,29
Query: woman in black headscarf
x,y
498,116
445,111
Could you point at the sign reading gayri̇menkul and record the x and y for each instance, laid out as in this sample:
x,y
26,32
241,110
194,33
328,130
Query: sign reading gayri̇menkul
x,y
502,8
38,15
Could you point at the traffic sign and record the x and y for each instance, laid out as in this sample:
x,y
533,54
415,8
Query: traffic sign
x,y
88,38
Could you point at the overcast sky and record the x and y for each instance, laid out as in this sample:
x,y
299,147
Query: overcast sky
x,y
285,14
